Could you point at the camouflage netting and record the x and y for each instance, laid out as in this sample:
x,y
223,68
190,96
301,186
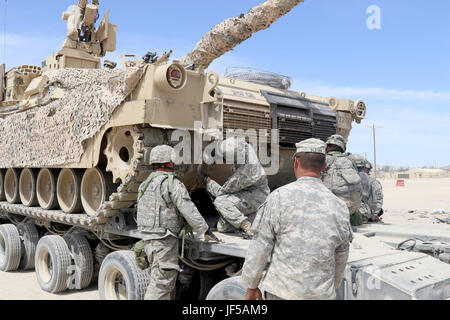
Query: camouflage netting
x,y
231,32
261,77
53,134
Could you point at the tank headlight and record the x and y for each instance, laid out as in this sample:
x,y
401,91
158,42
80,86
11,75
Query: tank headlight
x,y
175,76
170,77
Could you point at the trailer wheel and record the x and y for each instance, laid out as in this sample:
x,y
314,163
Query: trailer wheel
x,y
83,260
52,262
10,248
30,240
228,289
121,279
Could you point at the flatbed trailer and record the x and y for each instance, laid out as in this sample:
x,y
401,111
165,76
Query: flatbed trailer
x,y
376,268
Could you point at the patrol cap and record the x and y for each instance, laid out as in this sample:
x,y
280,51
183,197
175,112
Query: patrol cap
x,y
311,146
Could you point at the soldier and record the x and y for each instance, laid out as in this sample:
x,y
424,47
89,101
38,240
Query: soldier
x,y
361,164
305,232
240,197
376,197
341,177
163,206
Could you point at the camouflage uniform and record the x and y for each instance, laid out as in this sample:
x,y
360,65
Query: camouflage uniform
x,y
243,193
372,196
304,230
341,177
375,200
366,190
159,218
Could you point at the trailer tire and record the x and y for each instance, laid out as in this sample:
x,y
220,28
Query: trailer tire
x,y
30,240
53,263
228,289
83,260
10,248
121,279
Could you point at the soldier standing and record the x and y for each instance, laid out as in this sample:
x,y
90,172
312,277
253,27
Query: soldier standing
x,y
361,164
304,230
341,177
243,193
376,197
164,205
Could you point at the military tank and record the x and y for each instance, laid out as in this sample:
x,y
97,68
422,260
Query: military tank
x,y
75,137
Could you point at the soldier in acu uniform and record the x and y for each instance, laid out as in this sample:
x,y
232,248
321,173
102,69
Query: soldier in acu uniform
x,y
360,163
341,177
164,206
376,196
243,193
372,199
302,235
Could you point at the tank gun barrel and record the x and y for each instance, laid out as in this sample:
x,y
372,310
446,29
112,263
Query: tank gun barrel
x,y
231,32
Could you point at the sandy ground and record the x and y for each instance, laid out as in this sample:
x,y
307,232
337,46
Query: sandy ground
x,y
415,203
23,285
409,205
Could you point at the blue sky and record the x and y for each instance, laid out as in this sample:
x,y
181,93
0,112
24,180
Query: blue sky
x,y
402,71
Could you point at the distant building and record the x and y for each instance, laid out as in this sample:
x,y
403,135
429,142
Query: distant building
x,y
418,173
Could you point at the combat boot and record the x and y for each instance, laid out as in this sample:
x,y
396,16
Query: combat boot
x,y
246,228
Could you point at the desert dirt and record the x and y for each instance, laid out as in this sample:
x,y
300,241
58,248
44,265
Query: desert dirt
x,y
415,202
409,205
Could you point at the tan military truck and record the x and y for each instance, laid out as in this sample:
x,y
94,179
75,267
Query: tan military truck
x,y
75,140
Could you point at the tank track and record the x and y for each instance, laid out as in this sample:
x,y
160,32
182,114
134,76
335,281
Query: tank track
x,y
124,197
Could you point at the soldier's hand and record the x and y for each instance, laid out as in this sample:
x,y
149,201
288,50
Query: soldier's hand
x,y
253,294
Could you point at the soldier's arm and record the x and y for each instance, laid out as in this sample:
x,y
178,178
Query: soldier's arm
x,y
341,258
187,208
377,190
342,251
244,177
213,188
262,245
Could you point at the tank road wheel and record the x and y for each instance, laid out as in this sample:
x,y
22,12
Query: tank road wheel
x,y
121,152
2,186
46,189
68,191
121,279
83,259
27,188
95,190
12,186
53,263
10,248
30,240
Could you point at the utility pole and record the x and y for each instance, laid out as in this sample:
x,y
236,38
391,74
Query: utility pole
x,y
374,133
375,151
